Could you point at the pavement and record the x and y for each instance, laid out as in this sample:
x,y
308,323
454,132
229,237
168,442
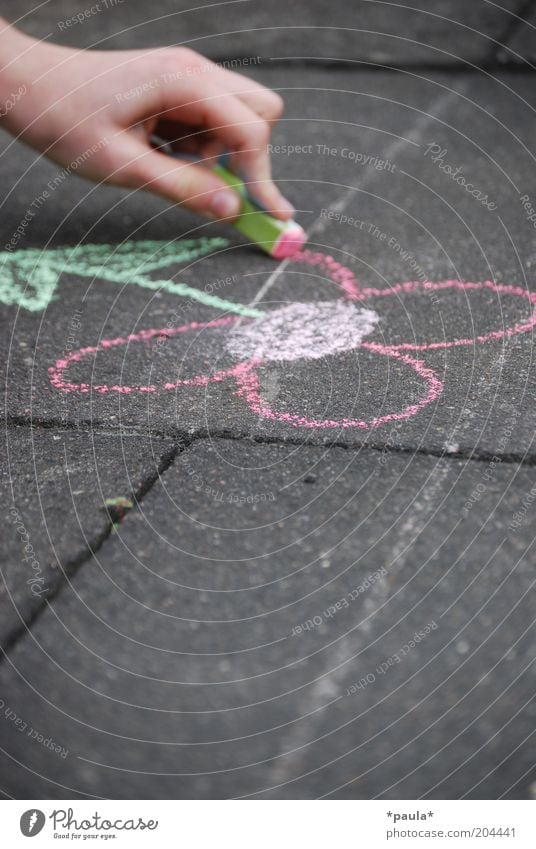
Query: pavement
x,y
313,576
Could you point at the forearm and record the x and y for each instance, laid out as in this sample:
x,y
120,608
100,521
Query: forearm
x,y
102,108
27,96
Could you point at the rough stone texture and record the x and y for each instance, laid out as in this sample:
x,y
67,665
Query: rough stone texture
x,y
53,490
208,645
176,664
439,32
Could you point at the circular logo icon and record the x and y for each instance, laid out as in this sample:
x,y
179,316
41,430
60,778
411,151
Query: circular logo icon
x,y
31,822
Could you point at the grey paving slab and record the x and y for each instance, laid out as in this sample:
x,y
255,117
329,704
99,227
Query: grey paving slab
x,y
389,152
290,622
519,48
54,487
440,32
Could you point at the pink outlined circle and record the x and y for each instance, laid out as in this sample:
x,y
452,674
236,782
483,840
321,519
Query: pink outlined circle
x,y
245,374
57,371
246,379
248,389
347,281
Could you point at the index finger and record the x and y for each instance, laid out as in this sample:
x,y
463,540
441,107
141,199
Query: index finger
x,y
243,132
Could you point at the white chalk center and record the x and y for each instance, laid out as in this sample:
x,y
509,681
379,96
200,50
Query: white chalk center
x,y
302,331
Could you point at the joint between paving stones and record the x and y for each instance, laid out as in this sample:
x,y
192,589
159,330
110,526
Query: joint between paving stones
x,y
463,66
515,23
185,439
184,443
70,568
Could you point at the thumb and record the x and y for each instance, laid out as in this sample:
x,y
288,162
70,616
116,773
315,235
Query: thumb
x,y
176,180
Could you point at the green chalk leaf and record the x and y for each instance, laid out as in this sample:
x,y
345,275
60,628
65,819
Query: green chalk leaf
x,y
29,278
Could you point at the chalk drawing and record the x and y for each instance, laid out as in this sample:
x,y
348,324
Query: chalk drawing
x,y
57,372
29,278
306,331
302,331
249,389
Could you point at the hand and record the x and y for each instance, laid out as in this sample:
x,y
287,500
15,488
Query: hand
x,y
101,109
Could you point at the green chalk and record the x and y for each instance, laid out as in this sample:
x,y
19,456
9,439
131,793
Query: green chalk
x,y
280,239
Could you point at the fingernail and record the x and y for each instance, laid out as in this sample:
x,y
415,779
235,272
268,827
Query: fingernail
x,y
225,204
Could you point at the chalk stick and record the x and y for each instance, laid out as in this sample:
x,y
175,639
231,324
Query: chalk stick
x,y
280,239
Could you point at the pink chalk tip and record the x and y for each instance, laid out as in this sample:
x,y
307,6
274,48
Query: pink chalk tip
x,y
289,242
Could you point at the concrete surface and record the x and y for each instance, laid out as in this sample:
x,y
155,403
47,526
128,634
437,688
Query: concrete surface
x,y
210,648
439,32
231,601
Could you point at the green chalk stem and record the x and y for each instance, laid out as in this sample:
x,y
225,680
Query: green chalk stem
x,y
29,278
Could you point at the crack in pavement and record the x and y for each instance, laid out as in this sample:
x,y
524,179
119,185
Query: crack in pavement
x,y
71,567
187,438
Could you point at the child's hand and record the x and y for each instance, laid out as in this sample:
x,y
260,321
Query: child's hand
x,y
100,110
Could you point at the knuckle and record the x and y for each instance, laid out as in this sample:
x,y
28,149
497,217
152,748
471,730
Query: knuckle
x,y
110,160
259,132
159,62
187,56
133,173
275,105
172,62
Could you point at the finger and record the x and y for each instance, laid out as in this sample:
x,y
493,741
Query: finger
x,y
136,165
265,102
242,132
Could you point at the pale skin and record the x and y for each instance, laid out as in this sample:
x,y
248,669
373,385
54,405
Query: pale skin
x,y
65,102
